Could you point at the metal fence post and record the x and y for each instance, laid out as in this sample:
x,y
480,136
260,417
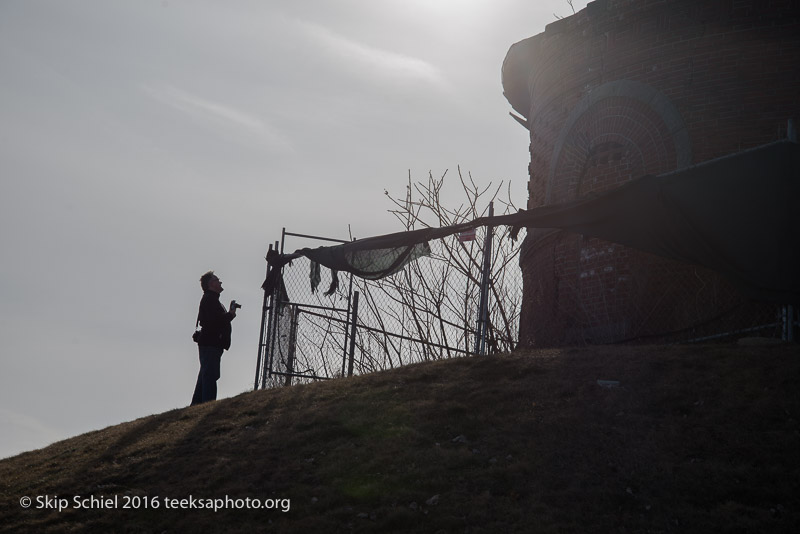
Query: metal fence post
x,y
294,315
264,320
353,334
483,309
272,326
347,323
264,361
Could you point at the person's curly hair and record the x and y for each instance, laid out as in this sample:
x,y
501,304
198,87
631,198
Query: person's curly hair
x,y
205,279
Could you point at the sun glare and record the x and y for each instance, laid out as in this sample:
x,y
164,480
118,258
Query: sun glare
x,y
458,9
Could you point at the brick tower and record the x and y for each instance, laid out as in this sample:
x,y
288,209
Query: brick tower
x,y
626,88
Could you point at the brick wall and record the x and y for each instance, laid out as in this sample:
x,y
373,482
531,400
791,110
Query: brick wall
x,y
632,87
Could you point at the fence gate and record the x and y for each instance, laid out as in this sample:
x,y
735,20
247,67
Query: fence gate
x,y
300,332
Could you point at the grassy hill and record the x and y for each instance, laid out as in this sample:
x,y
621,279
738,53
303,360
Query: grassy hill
x,y
691,439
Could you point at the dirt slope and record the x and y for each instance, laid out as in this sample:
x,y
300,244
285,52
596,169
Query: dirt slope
x,y
673,439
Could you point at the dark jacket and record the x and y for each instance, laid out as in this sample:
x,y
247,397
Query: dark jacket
x,y
215,322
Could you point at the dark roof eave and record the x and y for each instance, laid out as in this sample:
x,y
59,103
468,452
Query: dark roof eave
x,y
519,63
516,72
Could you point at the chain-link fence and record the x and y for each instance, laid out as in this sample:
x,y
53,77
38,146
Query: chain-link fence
x,y
427,311
430,310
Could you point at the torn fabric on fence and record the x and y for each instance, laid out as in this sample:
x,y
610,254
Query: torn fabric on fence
x,y
736,215
370,263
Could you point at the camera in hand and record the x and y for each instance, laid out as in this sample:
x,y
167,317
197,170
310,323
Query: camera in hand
x,y
235,305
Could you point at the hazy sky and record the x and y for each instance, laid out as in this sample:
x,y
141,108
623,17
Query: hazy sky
x,y
144,142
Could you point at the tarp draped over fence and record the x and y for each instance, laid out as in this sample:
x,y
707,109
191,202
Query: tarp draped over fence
x,y
737,215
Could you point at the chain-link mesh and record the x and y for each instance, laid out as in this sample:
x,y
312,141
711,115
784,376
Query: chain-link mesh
x,y
305,334
429,310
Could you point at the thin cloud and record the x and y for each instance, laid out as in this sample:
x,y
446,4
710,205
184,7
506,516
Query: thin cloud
x,y
375,61
203,109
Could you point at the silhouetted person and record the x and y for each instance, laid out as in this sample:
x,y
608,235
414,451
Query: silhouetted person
x,y
213,338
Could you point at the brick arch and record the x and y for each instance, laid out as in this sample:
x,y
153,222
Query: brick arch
x,y
618,132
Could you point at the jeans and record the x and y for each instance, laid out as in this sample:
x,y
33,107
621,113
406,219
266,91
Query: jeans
x,y
206,388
